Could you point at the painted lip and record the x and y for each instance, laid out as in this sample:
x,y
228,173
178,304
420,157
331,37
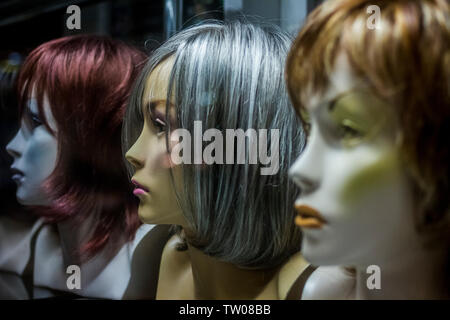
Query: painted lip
x,y
139,189
17,176
308,217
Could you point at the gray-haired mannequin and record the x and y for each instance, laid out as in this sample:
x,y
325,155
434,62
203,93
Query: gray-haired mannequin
x,y
237,238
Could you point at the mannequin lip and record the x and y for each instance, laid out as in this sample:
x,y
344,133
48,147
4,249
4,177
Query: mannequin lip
x,y
308,217
139,189
17,175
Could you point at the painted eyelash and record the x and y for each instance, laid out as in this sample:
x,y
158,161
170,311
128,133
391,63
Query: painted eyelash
x,y
349,127
35,121
159,125
160,122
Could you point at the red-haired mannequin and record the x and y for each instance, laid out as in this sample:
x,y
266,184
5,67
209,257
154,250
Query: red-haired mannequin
x,y
16,226
68,161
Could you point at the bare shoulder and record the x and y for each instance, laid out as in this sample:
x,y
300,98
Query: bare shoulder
x,y
330,283
289,273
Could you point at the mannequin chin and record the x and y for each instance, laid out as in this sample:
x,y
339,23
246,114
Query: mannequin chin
x,y
34,150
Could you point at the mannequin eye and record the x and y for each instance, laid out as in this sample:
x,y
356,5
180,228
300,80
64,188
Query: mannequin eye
x,y
349,133
159,125
34,121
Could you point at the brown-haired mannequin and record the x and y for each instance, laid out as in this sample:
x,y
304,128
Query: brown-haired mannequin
x,y
375,172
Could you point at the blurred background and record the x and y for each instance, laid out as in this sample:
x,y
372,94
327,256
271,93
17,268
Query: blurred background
x,y
24,24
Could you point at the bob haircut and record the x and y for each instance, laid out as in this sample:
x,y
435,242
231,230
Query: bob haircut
x,y
87,80
230,75
406,61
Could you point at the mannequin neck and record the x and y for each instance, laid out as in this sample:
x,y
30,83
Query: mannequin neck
x,y
214,279
73,235
419,273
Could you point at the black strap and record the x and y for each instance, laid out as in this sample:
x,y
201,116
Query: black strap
x,y
28,273
296,290
146,263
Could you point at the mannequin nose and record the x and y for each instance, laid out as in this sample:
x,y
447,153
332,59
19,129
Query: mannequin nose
x,y
135,162
306,172
13,147
305,183
133,157
137,154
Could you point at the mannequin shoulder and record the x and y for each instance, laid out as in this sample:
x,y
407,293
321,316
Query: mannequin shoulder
x,y
330,283
289,273
17,238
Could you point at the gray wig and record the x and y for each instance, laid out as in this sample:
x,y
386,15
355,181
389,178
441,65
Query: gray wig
x,y
231,76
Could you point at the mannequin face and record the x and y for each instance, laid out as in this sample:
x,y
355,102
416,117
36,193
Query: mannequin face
x,y
150,158
350,173
34,150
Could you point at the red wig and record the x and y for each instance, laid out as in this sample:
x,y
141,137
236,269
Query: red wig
x,y
87,80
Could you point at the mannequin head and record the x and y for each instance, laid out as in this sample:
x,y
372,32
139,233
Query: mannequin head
x,y
377,104
72,97
227,76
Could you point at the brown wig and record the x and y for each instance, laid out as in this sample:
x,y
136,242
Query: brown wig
x,y
406,61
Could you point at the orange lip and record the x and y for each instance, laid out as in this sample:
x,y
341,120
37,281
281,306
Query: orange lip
x,y
308,217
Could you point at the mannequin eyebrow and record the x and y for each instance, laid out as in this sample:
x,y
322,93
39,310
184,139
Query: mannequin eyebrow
x,y
152,104
331,103
328,104
31,112
150,107
31,106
